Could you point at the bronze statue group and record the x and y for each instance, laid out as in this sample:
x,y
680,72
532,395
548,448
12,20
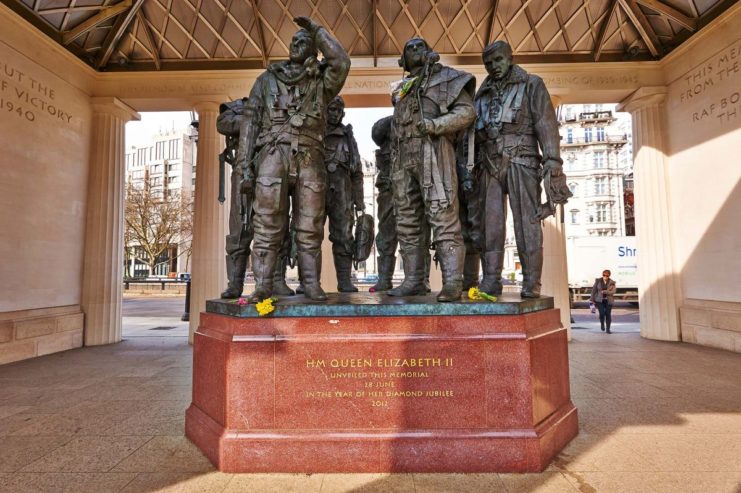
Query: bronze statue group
x,y
449,158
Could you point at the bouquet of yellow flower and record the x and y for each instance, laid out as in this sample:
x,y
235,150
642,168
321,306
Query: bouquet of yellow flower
x,y
476,294
265,307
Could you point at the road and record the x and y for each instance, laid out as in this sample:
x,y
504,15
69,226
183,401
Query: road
x,y
154,316
141,314
621,313
154,306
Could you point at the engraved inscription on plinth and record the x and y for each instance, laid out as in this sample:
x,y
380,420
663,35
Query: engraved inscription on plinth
x,y
377,387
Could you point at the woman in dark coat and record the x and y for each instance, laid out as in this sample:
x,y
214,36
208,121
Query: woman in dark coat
x,y
603,296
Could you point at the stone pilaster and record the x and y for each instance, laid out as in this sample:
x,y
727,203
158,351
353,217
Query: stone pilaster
x,y
658,281
103,264
210,217
555,278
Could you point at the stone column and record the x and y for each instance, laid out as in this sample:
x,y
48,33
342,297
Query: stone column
x,y
104,232
555,278
210,222
658,281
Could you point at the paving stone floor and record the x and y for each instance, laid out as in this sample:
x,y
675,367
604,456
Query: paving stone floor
x,y
654,416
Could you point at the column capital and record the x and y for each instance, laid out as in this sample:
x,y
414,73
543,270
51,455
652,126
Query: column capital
x,y
208,103
643,97
115,107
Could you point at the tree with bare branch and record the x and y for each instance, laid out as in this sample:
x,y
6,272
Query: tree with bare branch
x,y
155,222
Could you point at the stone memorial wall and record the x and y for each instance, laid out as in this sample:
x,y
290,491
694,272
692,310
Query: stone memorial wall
x,y
703,126
43,191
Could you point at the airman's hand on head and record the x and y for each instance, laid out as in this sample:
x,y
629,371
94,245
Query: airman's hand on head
x,y
307,24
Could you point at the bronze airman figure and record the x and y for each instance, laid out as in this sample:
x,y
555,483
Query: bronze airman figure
x,y
434,104
286,159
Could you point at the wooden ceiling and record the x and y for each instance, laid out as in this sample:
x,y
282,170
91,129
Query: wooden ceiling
x,y
223,34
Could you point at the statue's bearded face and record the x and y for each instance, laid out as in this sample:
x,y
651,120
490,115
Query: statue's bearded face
x,y
335,113
415,52
302,47
498,62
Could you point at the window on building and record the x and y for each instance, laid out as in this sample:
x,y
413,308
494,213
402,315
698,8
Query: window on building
x,y
574,188
600,185
588,134
574,217
569,135
600,134
174,149
159,152
598,158
601,211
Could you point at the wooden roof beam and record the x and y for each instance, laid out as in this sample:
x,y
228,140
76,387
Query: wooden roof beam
x,y
114,36
150,40
641,24
374,37
671,13
603,30
95,20
261,34
490,31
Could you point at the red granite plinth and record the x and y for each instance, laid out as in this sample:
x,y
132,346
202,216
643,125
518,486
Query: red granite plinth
x,y
372,394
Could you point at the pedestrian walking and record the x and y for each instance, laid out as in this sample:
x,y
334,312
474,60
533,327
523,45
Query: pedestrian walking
x,y
603,296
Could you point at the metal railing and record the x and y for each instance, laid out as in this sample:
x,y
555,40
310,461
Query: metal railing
x,y
607,139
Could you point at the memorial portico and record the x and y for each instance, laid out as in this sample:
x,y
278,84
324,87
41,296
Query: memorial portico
x,y
62,187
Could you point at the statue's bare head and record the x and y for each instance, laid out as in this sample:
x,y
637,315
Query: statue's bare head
x,y
498,59
335,111
302,46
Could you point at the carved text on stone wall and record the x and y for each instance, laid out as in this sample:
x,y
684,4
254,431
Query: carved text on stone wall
x,y
721,70
570,81
27,97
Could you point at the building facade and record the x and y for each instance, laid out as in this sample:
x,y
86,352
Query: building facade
x,y
597,155
166,165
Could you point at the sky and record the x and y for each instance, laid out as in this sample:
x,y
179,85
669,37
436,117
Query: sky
x,y
361,119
